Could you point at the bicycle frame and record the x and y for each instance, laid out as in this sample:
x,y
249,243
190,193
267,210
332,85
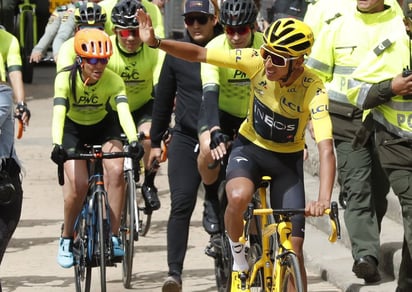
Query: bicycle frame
x,y
271,264
92,244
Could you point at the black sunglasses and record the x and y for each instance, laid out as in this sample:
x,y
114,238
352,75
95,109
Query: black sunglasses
x,y
201,19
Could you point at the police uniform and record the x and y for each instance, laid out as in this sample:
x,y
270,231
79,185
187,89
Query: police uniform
x,y
340,48
371,88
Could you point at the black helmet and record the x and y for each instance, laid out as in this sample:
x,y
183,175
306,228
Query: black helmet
x,y
124,13
238,12
90,14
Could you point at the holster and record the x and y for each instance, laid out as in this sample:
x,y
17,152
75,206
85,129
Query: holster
x,y
364,132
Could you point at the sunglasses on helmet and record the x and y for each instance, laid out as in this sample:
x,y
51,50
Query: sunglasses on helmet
x,y
94,61
201,19
127,32
240,30
275,59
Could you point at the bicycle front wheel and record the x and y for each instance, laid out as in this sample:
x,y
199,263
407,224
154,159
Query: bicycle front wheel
x,y
290,273
253,255
82,270
129,232
101,241
27,47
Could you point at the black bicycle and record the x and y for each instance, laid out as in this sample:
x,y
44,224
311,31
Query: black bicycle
x,y
135,220
92,245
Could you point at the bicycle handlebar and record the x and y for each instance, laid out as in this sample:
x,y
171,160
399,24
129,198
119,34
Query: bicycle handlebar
x,y
332,212
95,153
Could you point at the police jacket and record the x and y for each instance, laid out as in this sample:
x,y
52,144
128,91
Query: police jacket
x,y
340,48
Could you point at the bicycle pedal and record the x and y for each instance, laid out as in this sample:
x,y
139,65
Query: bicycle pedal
x,y
210,252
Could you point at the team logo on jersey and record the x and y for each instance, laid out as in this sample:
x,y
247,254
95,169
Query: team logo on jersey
x,y
239,159
273,126
88,99
288,106
239,75
263,84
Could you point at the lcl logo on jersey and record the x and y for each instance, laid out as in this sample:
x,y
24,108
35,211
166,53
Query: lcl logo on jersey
x,y
290,105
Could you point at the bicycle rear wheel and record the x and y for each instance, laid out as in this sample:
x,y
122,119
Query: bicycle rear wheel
x,y
27,47
129,232
290,273
101,241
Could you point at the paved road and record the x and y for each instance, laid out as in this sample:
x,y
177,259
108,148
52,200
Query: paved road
x,y
30,262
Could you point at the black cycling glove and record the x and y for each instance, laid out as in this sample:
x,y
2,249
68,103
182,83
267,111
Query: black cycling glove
x,y
58,155
22,108
136,150
217,137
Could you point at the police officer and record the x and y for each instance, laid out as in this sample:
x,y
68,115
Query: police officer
x,y
388,92
359,172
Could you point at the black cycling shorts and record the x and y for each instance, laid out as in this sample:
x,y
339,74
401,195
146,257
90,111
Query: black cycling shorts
x,y
76,136
285,169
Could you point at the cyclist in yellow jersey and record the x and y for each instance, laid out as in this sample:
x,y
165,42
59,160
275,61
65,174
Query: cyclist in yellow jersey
x,y
10,70
271,140
87,15
82,115
138,65
226,93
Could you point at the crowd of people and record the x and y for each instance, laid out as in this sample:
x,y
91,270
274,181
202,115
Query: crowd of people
x,y
244,84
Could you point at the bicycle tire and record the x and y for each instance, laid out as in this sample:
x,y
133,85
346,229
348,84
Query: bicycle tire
x,y
101,241
27,47
223,261
290,270
82,271
145,218
128,229
253,255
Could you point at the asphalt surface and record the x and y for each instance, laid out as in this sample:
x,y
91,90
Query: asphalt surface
x,y
30,261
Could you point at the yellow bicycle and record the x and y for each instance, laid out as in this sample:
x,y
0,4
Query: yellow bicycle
x,y
274,264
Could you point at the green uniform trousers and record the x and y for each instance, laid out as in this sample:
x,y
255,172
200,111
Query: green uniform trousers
x,y
401,182
366,186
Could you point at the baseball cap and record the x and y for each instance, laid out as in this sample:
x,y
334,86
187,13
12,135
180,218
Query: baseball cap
x,y
202,6
407,8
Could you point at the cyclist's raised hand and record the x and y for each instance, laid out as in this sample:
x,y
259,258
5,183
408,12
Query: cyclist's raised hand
x,y
217,145
58,155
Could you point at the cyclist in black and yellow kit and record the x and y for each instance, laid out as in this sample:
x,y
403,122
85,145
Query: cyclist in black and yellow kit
x,y
271,139
138,65
82,115
225,103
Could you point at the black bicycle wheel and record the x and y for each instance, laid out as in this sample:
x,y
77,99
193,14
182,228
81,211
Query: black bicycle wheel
x,y
145,218
82,271
224,259
223,262
128,229
290,273
26,49
253,255
101,242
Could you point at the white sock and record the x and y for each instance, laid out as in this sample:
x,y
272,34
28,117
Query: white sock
x,y
239,256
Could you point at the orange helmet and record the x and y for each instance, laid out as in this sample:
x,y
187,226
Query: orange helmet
x,y
92,43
